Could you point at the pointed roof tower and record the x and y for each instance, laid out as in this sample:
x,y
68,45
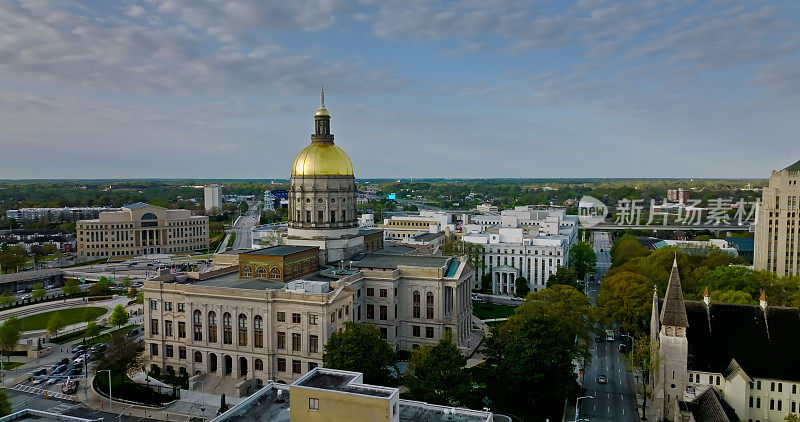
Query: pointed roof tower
x,y
673,311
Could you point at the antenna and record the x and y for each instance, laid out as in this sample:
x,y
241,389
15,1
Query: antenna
x,y
322,97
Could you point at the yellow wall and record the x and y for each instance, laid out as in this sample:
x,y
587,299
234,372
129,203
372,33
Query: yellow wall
x,y
336,406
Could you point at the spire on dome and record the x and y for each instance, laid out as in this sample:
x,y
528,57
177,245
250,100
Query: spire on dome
x,y
322,97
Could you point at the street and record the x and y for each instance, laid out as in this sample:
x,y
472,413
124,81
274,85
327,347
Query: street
x,y
613,401
242,228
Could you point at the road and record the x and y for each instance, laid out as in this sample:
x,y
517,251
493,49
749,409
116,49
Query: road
x,y
242,228
615,400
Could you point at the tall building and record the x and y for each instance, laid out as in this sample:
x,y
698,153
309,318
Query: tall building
x,y
211,197
139,229
55,215
777,238
721,361
268,316
680,196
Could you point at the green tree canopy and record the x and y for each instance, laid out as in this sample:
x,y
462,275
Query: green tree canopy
x,y
101,288
564,304
12,257
566,277
123,356
92,329
126,282
5,404
731,278
732,296
119,316
38,291
625,249
56,323
521,288
10,332
436,374
583,259
626,298
360,348
6,297
70,287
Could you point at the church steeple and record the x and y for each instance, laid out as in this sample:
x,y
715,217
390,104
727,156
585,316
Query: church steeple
x,y
673,311
322,121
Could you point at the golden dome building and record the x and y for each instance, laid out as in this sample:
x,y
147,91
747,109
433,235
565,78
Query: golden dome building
x,y
322,196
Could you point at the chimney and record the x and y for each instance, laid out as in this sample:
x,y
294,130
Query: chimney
x,y
707,297
762,301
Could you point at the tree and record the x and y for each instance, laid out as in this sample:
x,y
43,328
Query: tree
x,y
521,288
583,259
565,276
642,360
5,404
10,332
119,316
140,298
243,207
92,329
12,257
626,298
101,288
125,282
625,249
49,249
436,374
70,287
56,323
360,348
486,282
123,356
731,278
6,298
567,306
732,296
38,291
132,293
792,417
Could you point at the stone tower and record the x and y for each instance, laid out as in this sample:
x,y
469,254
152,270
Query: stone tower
x,y
669,382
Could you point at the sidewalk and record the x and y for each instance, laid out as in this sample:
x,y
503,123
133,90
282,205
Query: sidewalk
x,y
98,402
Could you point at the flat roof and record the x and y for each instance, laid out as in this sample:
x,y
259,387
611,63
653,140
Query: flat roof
x,y
233,281
342,382
431,413
266,407
375,260
280,250
427,237
367,232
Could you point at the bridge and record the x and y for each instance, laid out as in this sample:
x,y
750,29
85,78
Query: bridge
x,y
672,227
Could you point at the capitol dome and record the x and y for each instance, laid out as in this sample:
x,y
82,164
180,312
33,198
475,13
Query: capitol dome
x,y
322,159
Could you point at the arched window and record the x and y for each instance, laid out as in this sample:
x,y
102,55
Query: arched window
x,y
258,365
198,357
212,327
416,300
297,269
261,272
275,273
242,330
198,325
247,271
258,331
227,330
305,266
429,305
149,220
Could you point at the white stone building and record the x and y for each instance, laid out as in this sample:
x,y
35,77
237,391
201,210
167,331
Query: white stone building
x,y
211,197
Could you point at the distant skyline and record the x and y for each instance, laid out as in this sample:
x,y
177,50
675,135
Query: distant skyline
x,y
227,89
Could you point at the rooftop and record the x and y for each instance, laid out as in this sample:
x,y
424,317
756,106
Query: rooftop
x,y
392,261
280,250
263,406
794,167
136,205
343,381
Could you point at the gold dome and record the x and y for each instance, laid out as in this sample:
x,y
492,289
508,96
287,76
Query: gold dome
x,y
322,159
322,112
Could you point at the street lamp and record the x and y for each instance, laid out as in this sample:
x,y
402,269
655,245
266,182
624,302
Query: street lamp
x,y
110,403
577,404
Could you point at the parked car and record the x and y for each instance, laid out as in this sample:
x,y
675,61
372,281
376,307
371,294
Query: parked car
x,y
53,380
63,361
60,369
623,348
79,349
598,339
77,370
137,285
70,387
78,361
38,372
609,335
40,379
601,379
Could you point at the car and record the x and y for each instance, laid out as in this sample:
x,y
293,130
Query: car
x,y
78,361
40,379
38,372
476,298
137,285
609,335
75,371
79,349
70,387
63,361
598,339
602,379
53,380
623,348
61,369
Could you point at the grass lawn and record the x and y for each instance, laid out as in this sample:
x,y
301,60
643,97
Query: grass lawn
x,y
490,310
70,316
107,336
11,365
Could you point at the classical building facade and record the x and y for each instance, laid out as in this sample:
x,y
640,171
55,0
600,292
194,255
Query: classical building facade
x,y
777,239
141,229
723,362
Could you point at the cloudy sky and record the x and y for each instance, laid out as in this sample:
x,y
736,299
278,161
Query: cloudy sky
x,y
417,88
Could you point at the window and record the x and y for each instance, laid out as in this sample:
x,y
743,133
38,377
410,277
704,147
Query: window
x,y
296,367
333,317
312,319
429,305
275,273
154,327
242,330
794,407
296,318
710,378
428,332
383,293
415,330
168,328
181,329
227,329
296,342
181,307
383,332
771,404
717,379
780,387
691,377
313,344
772,386
370,291
168,306
370,312
198,326
312,365
780,405
416,300
281,340
258,331
339,313
181,352
168,351
258,365
281,317
751,401
153,349
758,384
313,404
281,365
383,313
758,402
153,305
198,357
212,327
794,388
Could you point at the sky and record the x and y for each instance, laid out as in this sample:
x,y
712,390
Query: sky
x,y
416,88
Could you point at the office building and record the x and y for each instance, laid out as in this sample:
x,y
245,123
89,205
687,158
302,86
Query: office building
x,y
212,198
777,237
55,215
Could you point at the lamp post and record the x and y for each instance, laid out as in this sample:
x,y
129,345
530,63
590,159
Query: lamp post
x,y
110,402
577,405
